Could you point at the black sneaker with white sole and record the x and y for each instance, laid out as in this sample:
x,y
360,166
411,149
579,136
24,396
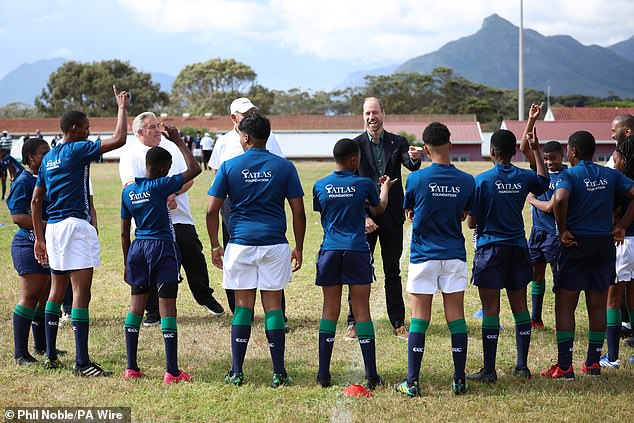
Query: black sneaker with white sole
x,y
152,320
90,370
25,360
214,307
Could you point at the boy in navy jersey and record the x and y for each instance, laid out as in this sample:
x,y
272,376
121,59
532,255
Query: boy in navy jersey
x,y
344,257
436,201
71,247
543,243
583,206
154,257
501,260
258,255
35,279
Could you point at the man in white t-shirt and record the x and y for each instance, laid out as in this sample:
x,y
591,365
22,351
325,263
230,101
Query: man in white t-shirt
x,y
147,129
227,147
207,145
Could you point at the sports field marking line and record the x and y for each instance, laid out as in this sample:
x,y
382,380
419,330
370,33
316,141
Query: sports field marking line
x,y
341,412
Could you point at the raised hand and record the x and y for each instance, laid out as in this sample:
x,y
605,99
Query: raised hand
x,y
535,111
170,132
533,140
122,97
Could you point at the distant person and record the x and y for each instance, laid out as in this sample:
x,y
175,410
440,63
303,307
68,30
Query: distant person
x,y
207,145
154,258
543,243
197,150
501,260
147,129
227,147
383,153
584,207
6,143
8,164
344,257
258,255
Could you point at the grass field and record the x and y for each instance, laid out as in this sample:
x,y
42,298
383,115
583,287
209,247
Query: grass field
x,y
205,349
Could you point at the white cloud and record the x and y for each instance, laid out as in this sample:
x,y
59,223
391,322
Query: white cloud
x,y
375,31
63,52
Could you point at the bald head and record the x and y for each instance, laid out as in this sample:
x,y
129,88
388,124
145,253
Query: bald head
x,y
622,127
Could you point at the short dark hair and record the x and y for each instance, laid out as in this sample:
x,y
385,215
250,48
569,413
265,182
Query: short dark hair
x,y
583,142
626,120
74,117
157,156
256,126
436,134
553,147
30,147
626,149
504,143
344,149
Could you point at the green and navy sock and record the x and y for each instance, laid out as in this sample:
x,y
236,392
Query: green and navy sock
x,y
170,336
276,335
458,329
37,327
327,329
490,334
537,293
240,334
613,333
522,337
80,318
131,327
365,333
565,341
595,346
22,317
415,348
51,323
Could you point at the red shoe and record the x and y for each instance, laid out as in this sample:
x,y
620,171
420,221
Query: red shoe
x,y
555,372
132,374
593,370
537,325
182,377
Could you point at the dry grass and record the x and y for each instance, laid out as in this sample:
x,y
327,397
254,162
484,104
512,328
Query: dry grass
x,y
205,350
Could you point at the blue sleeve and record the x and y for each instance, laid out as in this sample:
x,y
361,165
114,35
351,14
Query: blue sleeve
x,y
316,203
564,181
293,184
19,199
88,151
409,201
219,187
373,196
169,185
125,212
41,177
538,184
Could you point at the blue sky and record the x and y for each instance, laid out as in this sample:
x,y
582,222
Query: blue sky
x,y
289,43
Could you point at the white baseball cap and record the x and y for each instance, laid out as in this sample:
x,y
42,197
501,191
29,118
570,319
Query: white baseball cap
x,y
241,105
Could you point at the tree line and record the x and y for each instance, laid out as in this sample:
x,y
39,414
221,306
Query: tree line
x,y
209,87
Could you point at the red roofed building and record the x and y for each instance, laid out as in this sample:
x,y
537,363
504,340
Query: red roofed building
x,y
561,130
586,113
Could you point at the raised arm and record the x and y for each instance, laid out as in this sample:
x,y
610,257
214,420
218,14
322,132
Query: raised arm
x,y
533,142
193,168
299,230
121,130
533,114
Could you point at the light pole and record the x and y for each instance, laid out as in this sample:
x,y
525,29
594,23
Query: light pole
x,y
520,87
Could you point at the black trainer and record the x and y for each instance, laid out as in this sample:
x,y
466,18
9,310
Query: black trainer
x,y
152,320
90,370
37,351
324,382
483,376
25,360
214,307
522,372
372,382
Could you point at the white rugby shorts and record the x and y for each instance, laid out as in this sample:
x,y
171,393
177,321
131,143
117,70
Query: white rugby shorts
x,y
264,267
72,244
625,260
428,277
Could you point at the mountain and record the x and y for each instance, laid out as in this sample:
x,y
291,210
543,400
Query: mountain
x,y
26,82
490,57
355,79
624,48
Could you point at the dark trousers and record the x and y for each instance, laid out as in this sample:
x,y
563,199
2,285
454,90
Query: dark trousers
x,y
390,236
194,265
231,295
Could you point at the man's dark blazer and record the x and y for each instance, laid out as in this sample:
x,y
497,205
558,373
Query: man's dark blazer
x,y
396,154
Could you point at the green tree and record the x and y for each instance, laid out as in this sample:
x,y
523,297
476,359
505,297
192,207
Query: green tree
x,y
211,86
18,110
88,87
